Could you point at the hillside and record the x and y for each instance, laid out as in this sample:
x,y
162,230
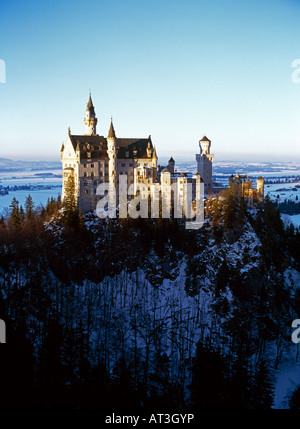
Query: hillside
x,y
144,312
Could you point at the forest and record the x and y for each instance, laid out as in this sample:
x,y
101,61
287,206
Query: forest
x,y
124,314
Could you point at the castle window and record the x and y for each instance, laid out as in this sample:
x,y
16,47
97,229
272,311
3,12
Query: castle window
x,y
86,191
85,174
92,174
84,165
92,165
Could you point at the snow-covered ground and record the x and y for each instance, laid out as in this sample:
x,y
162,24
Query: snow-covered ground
x,y
287,379
282,191
295,219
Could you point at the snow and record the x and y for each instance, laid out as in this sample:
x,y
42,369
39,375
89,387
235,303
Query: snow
x,y
281,191
287,379
295,219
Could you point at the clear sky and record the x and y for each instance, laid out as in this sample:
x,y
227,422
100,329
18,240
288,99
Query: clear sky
x,y
174,69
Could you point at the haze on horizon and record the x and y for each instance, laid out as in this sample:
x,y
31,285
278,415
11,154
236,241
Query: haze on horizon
x,y
176,70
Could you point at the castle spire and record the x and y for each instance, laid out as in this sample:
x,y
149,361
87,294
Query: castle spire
x,y
111,132
90,106
90,120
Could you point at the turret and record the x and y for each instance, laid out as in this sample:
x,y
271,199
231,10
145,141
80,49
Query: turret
x,y
171,165
204,163
111,138
260,184
90,120
149,150
204,144
112,154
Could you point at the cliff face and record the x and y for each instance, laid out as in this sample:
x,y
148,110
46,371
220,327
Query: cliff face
x,y
141,296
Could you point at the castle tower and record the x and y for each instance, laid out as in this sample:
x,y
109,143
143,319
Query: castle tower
x,y
112,154
204,163
90,120
260,183
171,165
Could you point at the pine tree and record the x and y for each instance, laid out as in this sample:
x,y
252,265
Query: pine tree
x,y
294,402
29,208
51,372
230,208
70,212
208,375
262,389
14,213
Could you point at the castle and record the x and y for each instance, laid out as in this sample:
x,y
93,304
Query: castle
x,y
244,187
91,159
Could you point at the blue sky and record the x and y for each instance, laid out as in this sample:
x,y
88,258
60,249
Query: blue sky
x,y
174,69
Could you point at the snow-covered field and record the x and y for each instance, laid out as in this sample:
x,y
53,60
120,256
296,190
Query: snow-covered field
x,y
282,191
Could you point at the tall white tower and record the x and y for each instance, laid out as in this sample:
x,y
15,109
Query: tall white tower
x,y
204,163
90,120
112,154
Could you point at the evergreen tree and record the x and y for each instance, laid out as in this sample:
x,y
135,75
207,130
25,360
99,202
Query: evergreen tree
x,y
262,389
14,213
51,371
29,208
238,392
122,387
294,402
70,212
230,208
208,376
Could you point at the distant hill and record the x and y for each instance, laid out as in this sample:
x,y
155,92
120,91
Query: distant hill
x,y
11,165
